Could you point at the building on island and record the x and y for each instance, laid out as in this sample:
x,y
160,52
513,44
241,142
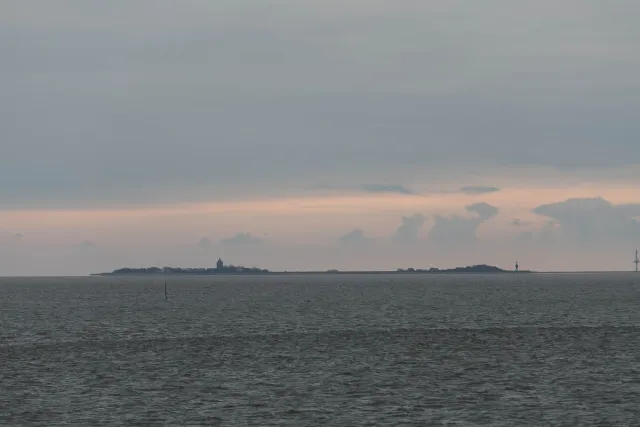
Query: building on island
x,y
219,264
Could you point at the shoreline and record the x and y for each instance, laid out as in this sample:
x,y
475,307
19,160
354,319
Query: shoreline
x,y
317,273
240,270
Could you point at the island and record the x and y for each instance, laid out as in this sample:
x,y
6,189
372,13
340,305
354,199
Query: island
x,y
219,269
481,268
231,269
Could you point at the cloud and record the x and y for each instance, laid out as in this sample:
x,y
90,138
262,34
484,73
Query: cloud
x,y
484,210
521,223
549,231
85,248
87,244
593,220
19,235
205,242
356,236
105,78
407,232
526,237
455,229
242,239
631,210
382,188
479,189
311,111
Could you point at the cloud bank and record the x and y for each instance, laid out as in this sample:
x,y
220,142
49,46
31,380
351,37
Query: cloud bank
x,y
456,230
192,116
242,239
479,189
381,188
408,231
355,236
594,220
400,92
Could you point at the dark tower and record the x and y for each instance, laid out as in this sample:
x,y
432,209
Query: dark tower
x,y
637,261
517,266
219,264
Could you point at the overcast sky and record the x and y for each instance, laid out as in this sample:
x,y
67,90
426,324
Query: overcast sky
x,y
319,134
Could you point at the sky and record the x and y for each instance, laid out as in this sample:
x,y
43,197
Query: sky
x,y
319,134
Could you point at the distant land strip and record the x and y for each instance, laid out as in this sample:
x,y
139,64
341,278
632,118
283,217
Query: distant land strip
x,y
233,270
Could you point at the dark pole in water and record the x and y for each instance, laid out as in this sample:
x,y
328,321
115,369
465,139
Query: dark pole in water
x,y
166,296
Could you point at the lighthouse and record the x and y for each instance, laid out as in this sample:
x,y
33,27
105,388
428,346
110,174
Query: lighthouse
x,y
636,261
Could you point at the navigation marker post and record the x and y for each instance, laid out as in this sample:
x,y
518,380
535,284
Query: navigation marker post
x,y
166,296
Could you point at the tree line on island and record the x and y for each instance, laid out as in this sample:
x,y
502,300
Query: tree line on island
x,y
482,268
232,269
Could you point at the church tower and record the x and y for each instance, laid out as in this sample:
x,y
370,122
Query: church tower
x,y
219,264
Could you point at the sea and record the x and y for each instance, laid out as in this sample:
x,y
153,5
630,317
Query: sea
x,y
321,350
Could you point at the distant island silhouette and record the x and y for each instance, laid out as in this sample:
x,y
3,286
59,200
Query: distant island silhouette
x,y
232,269
219,269
177,270
481,268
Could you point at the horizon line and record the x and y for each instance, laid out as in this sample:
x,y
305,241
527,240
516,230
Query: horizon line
x,y
320,272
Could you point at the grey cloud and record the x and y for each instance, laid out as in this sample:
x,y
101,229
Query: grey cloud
x,y
525,237
205,242
242,239
548,234
129,94
356,236
87,244
630,210
479,189
407,232
382,188
593,220
19,235
454,230
484,210
85,248
530,235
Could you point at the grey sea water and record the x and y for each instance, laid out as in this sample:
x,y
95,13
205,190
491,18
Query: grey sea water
x,y
467,350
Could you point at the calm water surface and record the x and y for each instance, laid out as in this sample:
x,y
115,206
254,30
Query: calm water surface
x,y
468,350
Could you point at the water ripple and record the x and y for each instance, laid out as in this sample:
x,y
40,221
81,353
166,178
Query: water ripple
x,y
472,350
